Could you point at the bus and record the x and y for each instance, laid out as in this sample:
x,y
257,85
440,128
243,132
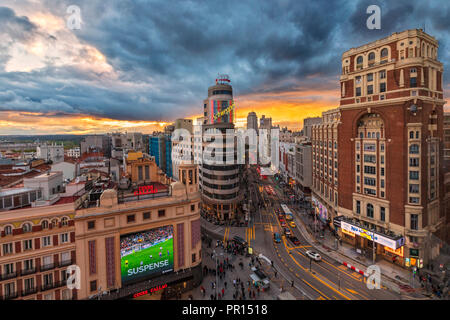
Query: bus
x,y
287,212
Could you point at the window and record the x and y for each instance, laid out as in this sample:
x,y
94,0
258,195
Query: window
x,y
414,221
8,230
382,147
411,134
146,215
161,213
26,227
357,179
48,279
7,248
413,70
8,268
382,214
381,183
382,159
93,285
44,224
413,162
370,158
370,181
28,244
383,87
130,218
370,77
140,175
414,149
382,74
414,175
193,257
91,225
358,91
64,222
28,264
192,207
358,207
29,284
370,191
370,89
54,223
382,172
384,53
417,134
414,188
414,200
357,168
369,147
46,241
64,238
359,60
369,210
371,56
413,82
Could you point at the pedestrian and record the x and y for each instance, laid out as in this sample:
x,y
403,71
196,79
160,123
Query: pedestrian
x,y
225,284
275,273
223,291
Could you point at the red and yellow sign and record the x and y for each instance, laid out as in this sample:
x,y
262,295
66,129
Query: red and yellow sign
x,y
348,232
398,252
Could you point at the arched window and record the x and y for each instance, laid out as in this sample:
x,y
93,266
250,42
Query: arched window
x,y
26,227
370,210
8,230
54,223
44,224
64,221
359,60
384,53
371,56
414,149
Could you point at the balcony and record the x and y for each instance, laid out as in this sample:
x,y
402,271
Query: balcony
x,y
48,286
65,263
47,267
28,271
28,291
9,275
9,296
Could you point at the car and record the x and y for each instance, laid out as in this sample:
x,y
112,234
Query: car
x,y
287,231
292,224
283,224
294,240
313,255
281,219
276,237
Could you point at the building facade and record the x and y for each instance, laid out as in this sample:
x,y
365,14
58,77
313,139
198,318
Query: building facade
x,y
389,133
159,217
50,152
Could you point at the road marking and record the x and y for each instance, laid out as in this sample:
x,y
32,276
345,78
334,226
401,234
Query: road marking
x,y
351,291
315,289
320,298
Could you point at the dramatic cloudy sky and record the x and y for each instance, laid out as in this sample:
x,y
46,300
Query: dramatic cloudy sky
x,y
139,64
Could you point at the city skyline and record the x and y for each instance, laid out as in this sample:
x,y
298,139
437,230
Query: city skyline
x,y
56,80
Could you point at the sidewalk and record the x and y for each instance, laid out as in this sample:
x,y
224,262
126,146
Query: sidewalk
x,y
394,277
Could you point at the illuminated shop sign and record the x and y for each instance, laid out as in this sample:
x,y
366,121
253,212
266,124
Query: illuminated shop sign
x,y
392,244
398,252
150,290
145,190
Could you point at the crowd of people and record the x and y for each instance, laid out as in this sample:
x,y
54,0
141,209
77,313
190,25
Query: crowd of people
x,y
147,237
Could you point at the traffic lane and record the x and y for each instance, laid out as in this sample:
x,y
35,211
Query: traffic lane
x,y
265,244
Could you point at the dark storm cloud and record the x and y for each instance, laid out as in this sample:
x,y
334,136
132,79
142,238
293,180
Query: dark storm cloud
x,y
169,52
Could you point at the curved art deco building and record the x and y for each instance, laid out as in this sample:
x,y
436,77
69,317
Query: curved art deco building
x,y
219,173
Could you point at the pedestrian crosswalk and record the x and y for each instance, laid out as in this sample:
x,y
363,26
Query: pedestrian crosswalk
x,y
250,234
226,234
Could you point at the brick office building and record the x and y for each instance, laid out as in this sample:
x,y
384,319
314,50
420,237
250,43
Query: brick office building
x,y
390,139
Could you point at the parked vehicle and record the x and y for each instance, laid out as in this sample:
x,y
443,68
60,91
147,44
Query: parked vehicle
x,y
313,255
292,224
287,232
276,237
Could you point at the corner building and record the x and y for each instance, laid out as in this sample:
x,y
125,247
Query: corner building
x,y
390,140
126,232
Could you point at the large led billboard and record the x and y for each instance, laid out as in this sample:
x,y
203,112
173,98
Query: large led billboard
x,y
146,253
